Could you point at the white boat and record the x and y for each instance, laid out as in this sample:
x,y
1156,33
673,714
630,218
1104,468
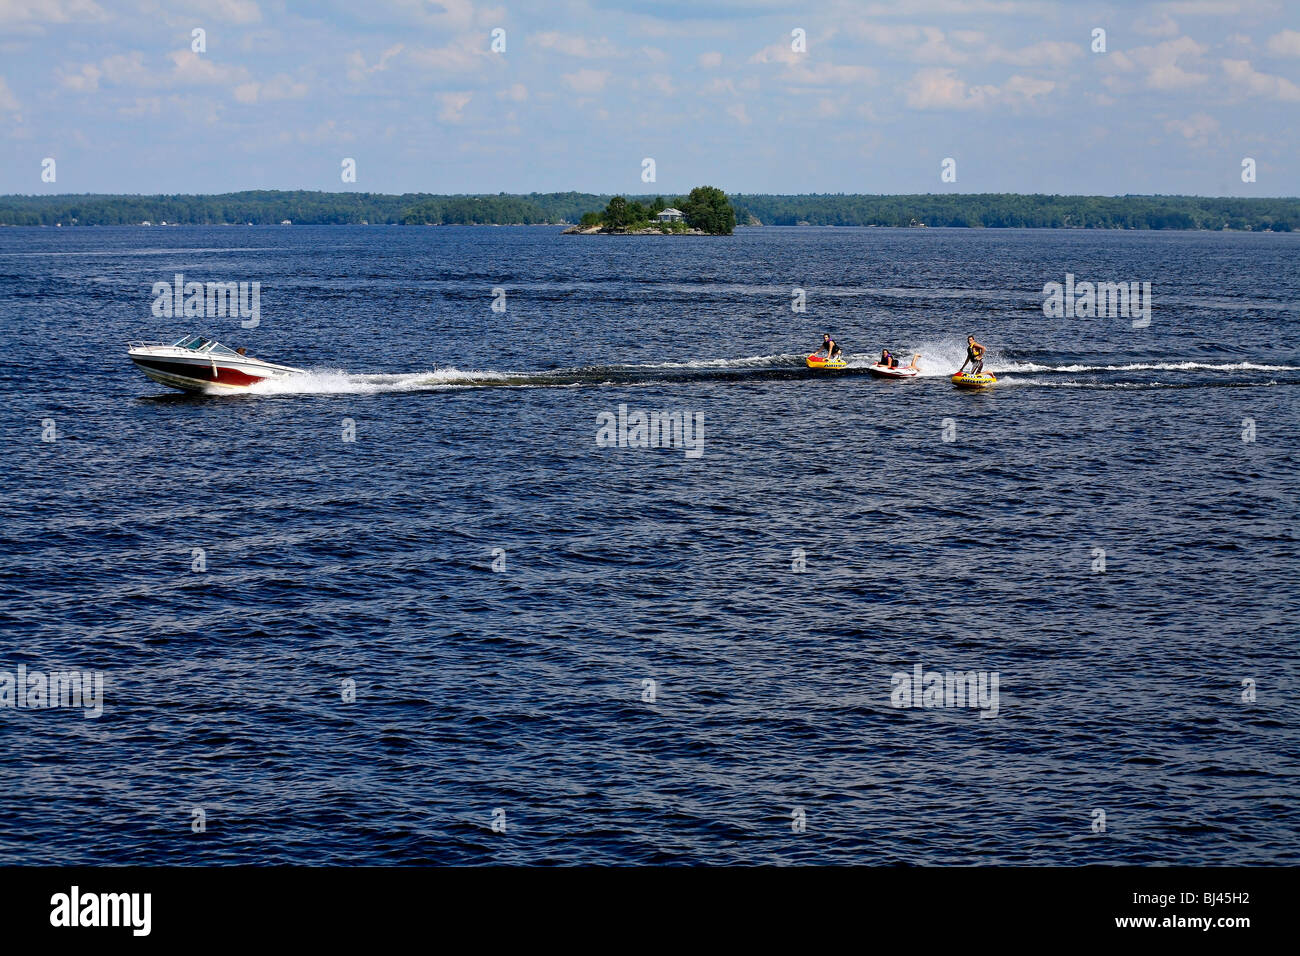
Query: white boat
x,y
199,364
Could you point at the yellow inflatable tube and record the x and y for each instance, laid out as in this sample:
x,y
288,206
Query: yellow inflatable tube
x,y
967,380
817,361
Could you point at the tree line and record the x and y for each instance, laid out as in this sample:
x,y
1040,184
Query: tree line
x,y
1002,210
978,210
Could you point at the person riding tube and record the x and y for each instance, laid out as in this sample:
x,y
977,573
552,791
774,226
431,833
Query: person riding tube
x,y
974,357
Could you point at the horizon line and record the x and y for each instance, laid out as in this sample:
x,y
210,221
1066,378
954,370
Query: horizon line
x,y
561,192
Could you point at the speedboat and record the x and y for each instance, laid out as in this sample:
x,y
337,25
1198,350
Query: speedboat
x,y
199,364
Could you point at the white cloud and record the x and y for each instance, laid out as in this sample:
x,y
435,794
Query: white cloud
x,y
121,69
662,82
232,11
516,92
189,67
358,70
940,88
26,15
586,81
1045,54
326,133
1286,43
827,108
450,14
1195,128
464,55
927,44
777,53
1161,63
144,106
819,73
737,112
1211,8
954,7
711,60
125,69
129,69
571,45
1171,76
923,44
802,71
8,102
452,106
1026,88
1242,75
1162,26
84,81
279,87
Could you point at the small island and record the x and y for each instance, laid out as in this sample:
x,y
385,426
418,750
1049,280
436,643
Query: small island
x,y
705,212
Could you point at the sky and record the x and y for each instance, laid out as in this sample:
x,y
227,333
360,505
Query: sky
x,y
751,96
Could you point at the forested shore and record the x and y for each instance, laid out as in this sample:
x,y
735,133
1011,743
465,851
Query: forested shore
x,y
975,210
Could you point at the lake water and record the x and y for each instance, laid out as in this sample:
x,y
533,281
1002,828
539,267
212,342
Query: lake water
x,y
683,655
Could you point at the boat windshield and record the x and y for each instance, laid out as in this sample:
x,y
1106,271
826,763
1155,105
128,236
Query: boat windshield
x,y
198,343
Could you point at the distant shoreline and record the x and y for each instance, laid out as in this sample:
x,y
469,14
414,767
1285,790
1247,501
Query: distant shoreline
x,y
922,210
568,229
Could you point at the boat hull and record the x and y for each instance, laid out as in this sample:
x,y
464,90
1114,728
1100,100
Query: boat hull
x,y
203,373
190,377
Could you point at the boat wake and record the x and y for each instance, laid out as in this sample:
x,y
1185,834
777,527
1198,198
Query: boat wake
x,y
336,382
937,362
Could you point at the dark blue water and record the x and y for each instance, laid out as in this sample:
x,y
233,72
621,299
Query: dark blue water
x,y
522,689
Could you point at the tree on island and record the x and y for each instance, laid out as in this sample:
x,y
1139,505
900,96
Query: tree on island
x,y
708,209
621,214
615,214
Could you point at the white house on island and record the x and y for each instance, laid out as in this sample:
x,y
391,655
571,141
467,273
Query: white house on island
x,y
670,215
